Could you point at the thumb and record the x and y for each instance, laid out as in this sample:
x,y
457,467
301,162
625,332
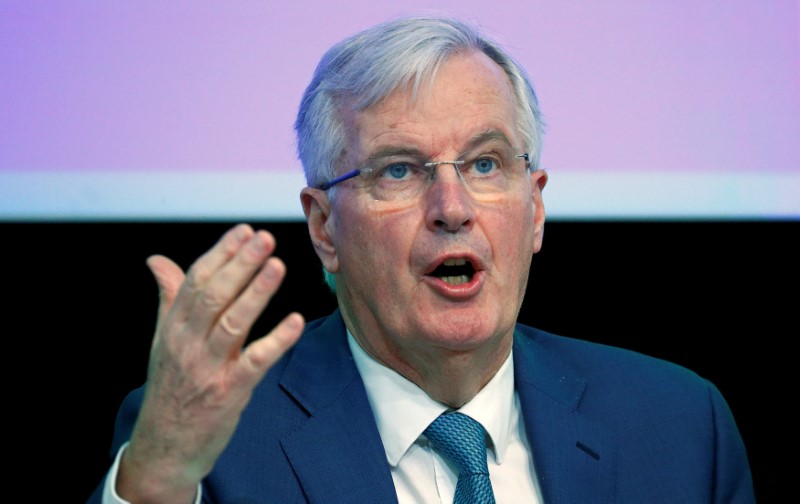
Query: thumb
x,y
169,277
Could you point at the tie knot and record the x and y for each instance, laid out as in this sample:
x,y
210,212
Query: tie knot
x,y
462,440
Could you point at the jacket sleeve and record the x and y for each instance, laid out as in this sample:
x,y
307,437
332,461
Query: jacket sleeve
x,y
733,483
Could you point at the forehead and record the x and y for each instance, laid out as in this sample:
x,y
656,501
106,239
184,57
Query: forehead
x,y
469,96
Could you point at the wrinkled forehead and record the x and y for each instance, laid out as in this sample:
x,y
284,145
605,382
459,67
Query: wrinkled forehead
x,y
467,97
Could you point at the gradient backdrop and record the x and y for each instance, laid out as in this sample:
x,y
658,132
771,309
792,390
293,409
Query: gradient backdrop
x,y
129,128
184,109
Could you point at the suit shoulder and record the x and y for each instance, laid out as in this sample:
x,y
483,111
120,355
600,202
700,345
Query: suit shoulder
x,y
607,363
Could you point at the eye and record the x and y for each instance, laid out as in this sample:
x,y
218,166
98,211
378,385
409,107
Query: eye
x,y
485,165
396,171
400,169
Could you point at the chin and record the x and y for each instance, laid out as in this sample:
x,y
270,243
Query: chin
x,y
464,331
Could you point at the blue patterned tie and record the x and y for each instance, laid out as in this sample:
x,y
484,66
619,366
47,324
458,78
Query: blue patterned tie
x,y
463,441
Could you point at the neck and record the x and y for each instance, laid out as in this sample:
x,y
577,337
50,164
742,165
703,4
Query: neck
x,y
448,376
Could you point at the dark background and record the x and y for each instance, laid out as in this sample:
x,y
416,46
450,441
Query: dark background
x,y
719,297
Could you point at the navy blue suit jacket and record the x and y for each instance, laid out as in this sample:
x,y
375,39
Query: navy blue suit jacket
x,y
605,425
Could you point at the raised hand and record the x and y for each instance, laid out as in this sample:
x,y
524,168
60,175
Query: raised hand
x,y
200,375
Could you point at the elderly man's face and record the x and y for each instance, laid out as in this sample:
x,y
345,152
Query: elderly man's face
x,y
400,291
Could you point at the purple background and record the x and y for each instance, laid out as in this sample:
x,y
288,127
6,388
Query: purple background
x,y
164,110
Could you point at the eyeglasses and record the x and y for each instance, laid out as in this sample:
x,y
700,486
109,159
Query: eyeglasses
x,y
405,177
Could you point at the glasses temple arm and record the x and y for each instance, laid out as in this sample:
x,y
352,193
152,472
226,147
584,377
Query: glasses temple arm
x,y
327,185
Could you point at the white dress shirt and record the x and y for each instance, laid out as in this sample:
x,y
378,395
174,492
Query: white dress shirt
x,y
403,411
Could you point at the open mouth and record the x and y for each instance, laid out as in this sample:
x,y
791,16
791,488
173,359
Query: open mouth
x,y
455,271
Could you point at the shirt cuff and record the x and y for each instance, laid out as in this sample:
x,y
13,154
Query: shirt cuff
x,y
110,486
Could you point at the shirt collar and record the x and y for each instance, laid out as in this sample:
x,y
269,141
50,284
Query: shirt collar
x,y
403,410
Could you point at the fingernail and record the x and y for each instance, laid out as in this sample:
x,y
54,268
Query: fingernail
x,y
240,233
256,243
293,322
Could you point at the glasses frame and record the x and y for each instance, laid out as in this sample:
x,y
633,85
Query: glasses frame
x,y
431,164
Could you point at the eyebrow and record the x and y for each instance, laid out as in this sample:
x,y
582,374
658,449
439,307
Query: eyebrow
x,y
487,136
395,150
405,150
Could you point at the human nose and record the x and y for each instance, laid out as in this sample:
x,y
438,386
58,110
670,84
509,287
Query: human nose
x,y
449,205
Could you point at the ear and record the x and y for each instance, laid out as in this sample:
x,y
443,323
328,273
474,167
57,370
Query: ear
x,y
538,181
317,208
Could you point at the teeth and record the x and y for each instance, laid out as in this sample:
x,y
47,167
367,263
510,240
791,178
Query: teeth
x,y
456,280
455,262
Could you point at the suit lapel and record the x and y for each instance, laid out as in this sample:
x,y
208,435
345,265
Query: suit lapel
x,y
337,453
574,457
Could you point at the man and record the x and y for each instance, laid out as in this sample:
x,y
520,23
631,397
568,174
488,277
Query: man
x,y
420,140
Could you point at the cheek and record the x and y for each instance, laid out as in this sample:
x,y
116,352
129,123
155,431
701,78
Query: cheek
x,y
510,231
378,241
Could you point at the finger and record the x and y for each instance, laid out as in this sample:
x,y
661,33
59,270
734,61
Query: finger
x,y
228,283
207,265
169,277
261,354
233,325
